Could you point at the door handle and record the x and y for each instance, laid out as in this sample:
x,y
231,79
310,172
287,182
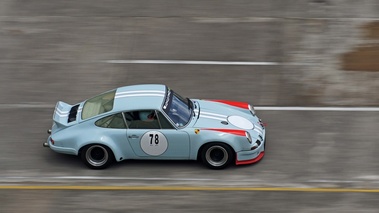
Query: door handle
x,y
133,136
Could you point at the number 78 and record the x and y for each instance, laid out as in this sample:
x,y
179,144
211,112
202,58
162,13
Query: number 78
x,y
155,137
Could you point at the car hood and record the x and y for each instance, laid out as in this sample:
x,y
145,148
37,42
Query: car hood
x,y
211,114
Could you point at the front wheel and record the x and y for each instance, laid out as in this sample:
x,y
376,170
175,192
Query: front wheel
x,y
97,156
217,155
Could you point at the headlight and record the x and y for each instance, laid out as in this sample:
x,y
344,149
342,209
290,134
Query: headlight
x,y
252,111
248,136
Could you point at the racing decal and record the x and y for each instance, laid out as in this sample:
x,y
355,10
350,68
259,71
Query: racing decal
x,y
240,122
140,93
61,113
259,132
213,116
154,143
258,129
229,131
233,103
59,109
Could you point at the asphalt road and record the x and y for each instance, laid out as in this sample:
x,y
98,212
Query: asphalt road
x,y
61,51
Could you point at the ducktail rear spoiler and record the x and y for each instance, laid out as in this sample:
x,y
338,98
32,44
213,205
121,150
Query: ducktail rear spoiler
x,y
65,114
61,112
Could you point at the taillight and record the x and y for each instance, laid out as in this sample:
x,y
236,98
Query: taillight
x,y
51,140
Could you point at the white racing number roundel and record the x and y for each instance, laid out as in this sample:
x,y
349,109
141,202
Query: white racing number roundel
x,y
240,122
154,143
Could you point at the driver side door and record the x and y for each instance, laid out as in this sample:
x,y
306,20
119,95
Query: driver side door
x,y
152,136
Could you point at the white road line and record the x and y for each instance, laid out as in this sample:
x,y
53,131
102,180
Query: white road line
x,y
345,109
335,181
186,62
43,179
26,105
25,178
140,91
259,108
258,19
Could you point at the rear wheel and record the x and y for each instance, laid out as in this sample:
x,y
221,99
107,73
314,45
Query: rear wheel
x,y
217,155
97,156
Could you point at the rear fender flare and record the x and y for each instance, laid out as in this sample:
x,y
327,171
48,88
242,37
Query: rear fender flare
x,y
105,142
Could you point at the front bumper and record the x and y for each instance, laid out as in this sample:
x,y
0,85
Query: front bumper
x,y
250,161
251,156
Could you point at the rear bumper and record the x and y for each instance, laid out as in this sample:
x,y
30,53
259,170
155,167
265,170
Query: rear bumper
x,y
63,150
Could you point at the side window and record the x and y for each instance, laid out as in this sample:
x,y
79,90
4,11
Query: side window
x,y
143,119
115,121
165,124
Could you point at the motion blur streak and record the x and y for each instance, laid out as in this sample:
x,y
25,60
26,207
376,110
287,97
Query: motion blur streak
x,y
244,63
186,188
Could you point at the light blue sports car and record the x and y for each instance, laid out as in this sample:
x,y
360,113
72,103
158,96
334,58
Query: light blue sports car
x,y
153,122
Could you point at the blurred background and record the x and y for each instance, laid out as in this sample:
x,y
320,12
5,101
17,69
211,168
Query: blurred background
x,y
292,53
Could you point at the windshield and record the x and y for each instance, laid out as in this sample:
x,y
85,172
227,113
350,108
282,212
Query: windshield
x,y
177,108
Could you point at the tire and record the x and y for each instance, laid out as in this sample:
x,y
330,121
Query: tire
x,y
217,155
97,156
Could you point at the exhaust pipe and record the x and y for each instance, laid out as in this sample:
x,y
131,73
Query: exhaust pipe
x,y
49,131
45,144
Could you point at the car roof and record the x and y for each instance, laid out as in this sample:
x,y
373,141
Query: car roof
x,y
137,97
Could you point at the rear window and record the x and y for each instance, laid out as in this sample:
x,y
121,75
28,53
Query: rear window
x,y
98,105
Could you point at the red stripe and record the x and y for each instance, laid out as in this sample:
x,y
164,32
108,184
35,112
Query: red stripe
x,y
242,105
244,162
230,131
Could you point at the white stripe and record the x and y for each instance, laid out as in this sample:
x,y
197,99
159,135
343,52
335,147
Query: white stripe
x,y
141,91
61,112
61,115
262,108
139,95
243,63
256,127
210,117
257,131
347,109
214,114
